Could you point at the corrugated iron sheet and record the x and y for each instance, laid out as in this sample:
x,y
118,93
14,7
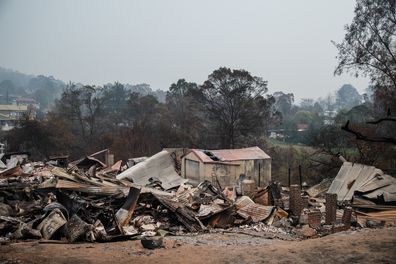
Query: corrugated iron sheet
x,y
158,167
387,215
247,208
367,180
229,155
379,182
319,188
387,192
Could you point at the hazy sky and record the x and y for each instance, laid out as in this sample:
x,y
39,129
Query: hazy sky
x,y
158,42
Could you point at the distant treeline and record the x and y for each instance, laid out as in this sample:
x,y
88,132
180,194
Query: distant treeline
x,y
46,89
230,109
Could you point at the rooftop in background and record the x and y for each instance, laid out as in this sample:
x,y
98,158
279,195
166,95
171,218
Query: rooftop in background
x,y
252,153
25,100
302,127
13,107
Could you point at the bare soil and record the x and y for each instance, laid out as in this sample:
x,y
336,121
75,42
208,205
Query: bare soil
x,y
360,246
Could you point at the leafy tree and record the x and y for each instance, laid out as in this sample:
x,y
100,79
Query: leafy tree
x,y
307,103
82,106
327,103
348,97
284,102
148,128
17,78
115,102
141,108
234,104
183,110
310,119
306,117
42,138
45,90
357,114
369,47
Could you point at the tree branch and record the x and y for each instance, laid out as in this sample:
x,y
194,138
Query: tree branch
x,y
360,136
378,34
392,119
387,118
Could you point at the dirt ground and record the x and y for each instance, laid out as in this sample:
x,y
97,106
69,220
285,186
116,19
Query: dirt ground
x,y
360,246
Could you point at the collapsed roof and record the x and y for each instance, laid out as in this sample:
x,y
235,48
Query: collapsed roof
x,y
368,181
229,155
156,168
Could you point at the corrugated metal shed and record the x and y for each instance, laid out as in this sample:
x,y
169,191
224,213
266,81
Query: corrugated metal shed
x,y
230,155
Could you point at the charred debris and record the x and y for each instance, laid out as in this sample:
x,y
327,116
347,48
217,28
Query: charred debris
x,y
99,200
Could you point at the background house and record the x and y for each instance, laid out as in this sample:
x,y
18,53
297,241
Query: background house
x,y
7,122
27,101
10,114
13,110
225,166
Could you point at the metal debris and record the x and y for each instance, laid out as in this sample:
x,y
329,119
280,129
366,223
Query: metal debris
x,y
91,200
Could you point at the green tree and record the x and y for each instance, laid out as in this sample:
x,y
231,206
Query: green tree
x,y
348,97
114,101
235,106
284,102
184,111
45,90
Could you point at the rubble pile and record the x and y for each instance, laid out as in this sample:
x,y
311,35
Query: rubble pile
x,y
368,190
91,200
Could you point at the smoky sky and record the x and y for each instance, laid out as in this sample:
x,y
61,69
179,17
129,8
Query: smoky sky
x,y
286,42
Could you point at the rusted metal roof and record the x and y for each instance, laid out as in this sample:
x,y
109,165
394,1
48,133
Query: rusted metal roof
x,y
257,212
230,155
